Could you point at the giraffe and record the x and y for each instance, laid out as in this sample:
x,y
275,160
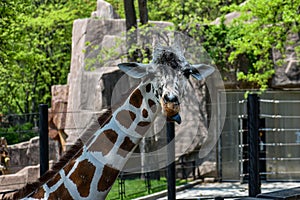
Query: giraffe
x,y
92,170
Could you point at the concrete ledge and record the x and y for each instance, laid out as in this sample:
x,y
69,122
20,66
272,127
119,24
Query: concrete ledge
x,y
16,181
165,192
252,198
288,194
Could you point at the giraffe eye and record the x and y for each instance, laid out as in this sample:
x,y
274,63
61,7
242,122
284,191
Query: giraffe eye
x,y
186,72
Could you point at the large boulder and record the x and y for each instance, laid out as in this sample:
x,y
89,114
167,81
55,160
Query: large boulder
x,y
287,67
104,11
86,87
27,153
98,46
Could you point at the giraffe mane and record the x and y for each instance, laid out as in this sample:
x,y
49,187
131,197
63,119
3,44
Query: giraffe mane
x,y
68,155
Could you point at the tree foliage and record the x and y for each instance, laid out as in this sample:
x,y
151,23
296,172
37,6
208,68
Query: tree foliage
x,y
263,26
18,133
35,49
35,40
180,12
242,48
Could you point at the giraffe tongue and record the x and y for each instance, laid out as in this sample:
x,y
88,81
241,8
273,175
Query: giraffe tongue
x,y
175,118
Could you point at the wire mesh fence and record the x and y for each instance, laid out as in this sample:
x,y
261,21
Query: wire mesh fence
x,y
18,128
279,137
279,143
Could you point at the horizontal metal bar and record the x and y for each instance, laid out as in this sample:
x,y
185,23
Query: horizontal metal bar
x,y
272,173
279,129
280,144
273,129
273,159
278,101
280,116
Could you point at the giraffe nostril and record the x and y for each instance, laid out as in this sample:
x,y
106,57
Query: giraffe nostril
x,y
171,98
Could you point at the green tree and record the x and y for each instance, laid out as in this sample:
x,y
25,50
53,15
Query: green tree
x,y
180,12
35,49
249,40
263,25
194,18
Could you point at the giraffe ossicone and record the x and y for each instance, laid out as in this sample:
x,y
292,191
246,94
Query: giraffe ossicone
x,y
91,172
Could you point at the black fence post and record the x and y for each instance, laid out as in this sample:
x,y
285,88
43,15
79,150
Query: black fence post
x,y
44,141
148,182
253,141
121,187
171,160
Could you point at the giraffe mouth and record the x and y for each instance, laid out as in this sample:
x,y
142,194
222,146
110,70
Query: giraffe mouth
x,y
175,118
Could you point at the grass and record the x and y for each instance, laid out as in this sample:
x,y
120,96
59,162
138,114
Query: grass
x,y
138,187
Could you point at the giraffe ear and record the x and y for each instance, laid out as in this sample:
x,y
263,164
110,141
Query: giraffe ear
x,y
133,69
201,71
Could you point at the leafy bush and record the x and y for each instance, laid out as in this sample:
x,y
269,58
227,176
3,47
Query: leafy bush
x,y
18,133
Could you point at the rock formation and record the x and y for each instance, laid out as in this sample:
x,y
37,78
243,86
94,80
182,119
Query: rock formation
x,y
98,46
57,116
287,67
27,153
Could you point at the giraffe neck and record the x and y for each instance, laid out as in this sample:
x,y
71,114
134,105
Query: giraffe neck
x,y
93,170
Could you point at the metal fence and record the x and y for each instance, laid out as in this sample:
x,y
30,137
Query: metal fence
x,y
132,185
147,182
279,137
18,127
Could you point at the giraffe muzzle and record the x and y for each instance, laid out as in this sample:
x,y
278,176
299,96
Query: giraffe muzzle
x,y
171,108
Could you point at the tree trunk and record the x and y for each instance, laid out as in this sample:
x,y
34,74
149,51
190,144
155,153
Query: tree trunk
x,y
130,14
143,11
131,25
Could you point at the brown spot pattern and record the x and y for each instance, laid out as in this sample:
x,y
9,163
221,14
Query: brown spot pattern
x,y
60,193
109,175
69,166
83,176
132,115
148,87
142,127
126,147
152,105
39,194
145,113
105,142
54,180
136,99
125,118
71,163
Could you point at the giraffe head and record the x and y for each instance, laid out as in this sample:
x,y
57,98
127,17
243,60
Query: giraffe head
x,y
169,72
